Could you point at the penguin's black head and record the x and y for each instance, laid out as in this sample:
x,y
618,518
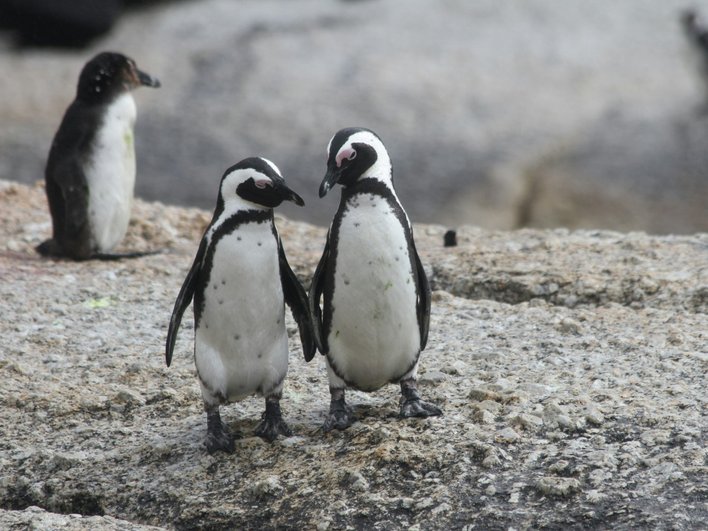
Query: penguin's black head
x,y
110,74
353,153
255,181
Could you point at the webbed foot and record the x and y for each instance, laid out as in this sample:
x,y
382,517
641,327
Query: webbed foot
x,y
272,424
219,437
412,405
340,416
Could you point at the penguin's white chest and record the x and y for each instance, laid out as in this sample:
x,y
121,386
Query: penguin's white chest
x,y
241,345
374,337
111,175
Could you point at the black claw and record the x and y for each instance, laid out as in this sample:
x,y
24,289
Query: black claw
x,y
272,424
340,416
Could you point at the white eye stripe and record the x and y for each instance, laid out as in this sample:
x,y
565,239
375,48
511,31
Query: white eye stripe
x,y
272,165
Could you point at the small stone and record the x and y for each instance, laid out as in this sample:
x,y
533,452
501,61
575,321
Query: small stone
x,y
595,496
555,486
267,487
356,480
569,326
407,503
129,398
442,508
484,394
432,377
425,503
489,405
507,435
483,416
528,421
490,490
565,422
491,461
593,416
558,466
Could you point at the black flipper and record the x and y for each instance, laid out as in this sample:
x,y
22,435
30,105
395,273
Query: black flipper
x,y
296,299
183,300
423,303
316,290
67,194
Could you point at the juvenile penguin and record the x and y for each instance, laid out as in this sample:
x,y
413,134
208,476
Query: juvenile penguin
x,y
90,172
240,281
374,320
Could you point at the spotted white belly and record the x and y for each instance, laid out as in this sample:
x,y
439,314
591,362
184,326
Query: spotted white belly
x,y
241,345
374,336
111,175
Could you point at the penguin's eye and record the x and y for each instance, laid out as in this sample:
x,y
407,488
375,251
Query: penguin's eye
x,y
352,155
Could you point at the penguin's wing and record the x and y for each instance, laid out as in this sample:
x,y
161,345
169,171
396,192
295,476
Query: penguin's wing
x,y
68,191
423,304
296,298
183,299
67,185
316,290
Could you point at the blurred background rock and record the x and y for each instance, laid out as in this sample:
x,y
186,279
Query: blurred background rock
x,y
499,114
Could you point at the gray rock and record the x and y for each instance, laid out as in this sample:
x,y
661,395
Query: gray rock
x,y
578,146
95,425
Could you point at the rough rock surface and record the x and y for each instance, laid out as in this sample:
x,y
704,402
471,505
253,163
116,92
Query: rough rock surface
x,y
498,114
571,367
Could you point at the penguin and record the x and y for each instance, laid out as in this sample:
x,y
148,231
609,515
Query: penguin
x,y
375,313
90,171
240,281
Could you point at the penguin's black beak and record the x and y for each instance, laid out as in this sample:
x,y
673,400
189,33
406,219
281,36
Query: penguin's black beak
x,y
147,80
285,193
330,179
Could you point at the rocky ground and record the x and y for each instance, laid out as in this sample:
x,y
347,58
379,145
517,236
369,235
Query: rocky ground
x,y
571,367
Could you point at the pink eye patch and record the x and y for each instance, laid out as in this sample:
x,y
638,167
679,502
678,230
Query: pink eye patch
x,y
347,153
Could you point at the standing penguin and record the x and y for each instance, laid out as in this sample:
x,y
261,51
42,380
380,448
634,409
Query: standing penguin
x,y
240,280
374,320
90,173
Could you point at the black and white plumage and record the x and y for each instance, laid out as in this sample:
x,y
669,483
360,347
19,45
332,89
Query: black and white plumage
x,y
375,313
90,172
240,281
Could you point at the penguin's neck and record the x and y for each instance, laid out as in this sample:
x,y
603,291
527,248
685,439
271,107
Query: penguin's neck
x,y
380,170
227,221
370,185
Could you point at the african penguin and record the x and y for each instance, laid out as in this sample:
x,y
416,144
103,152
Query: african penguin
x,y
375,295
240,280
90,172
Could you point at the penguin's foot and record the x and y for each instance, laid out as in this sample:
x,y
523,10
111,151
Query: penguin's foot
x,y
418,408
219,438
340,416
272,424
48,248
412,405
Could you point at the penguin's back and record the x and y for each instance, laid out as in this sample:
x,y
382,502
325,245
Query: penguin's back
x,y
241,340
373,333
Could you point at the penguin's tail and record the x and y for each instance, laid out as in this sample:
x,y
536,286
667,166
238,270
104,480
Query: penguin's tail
x,y
122,256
